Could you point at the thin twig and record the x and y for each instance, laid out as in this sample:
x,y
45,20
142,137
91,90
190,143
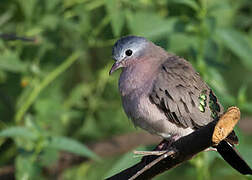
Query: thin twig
x,y
148,153
13,37
171,153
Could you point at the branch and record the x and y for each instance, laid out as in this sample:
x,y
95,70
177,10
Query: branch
x,y
183,149
13,37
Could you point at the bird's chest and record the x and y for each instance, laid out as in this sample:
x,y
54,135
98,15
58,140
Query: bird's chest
x,y
143,113
135,107
146,115
134,88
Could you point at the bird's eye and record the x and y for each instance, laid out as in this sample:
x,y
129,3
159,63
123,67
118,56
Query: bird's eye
x,y
128,52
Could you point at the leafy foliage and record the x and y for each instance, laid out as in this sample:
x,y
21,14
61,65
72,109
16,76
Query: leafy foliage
x,y
55,92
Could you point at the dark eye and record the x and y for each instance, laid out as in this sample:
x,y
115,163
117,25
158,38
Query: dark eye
x,y
128,52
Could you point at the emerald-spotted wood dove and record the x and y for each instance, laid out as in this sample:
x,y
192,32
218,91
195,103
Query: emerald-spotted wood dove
x,y
163,94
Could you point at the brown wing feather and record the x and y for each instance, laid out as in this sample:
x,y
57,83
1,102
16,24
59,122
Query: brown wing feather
x,y
176,91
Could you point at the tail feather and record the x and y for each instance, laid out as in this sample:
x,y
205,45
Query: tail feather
x,y
233,157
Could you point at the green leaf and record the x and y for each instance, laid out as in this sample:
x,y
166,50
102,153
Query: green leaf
x,y
51,5
245,150
18,132
220,87
139,24
44,83
237,43
9,61
124,162
71,145
27,10
116,14
190,3
246,107
179,42
50,22
241,97
49,156
26,168
5,17
84,171
3,76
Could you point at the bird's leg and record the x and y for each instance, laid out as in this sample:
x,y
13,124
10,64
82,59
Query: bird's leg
x,y
160,149
166,143
210,149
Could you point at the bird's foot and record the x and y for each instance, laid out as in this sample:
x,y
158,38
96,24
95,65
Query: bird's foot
x,y
160,149
210,149
166,143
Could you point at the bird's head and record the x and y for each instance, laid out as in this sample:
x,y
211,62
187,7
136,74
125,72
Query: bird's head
x,y
127,50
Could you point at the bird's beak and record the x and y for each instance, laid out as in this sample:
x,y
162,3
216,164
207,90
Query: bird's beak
x,y
115,66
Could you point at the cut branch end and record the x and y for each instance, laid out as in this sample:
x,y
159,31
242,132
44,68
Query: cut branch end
x,y
226,124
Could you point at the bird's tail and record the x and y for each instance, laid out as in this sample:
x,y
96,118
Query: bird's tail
x,y
233,157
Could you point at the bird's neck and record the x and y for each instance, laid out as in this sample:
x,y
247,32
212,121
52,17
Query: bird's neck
x,y
137,76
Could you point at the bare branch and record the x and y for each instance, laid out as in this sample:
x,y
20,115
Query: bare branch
x,y
171,153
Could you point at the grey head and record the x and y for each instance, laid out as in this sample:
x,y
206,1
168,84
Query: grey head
x,y
127,48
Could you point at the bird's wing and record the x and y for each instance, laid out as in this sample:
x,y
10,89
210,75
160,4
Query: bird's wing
x,y
183,96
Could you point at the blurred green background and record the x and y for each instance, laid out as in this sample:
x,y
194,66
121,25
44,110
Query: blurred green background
x,y
56,95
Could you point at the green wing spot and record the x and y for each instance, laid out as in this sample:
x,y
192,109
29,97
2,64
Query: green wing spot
x,y
203,96
213,105
201,108
214,115
202,100
203,103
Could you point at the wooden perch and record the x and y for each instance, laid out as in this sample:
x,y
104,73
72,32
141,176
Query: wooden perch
x,y
183,149
226,124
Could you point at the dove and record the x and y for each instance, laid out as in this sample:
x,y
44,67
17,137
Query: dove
x,y
164,95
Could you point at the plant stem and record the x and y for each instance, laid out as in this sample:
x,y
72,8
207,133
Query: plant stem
x,y
47,80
